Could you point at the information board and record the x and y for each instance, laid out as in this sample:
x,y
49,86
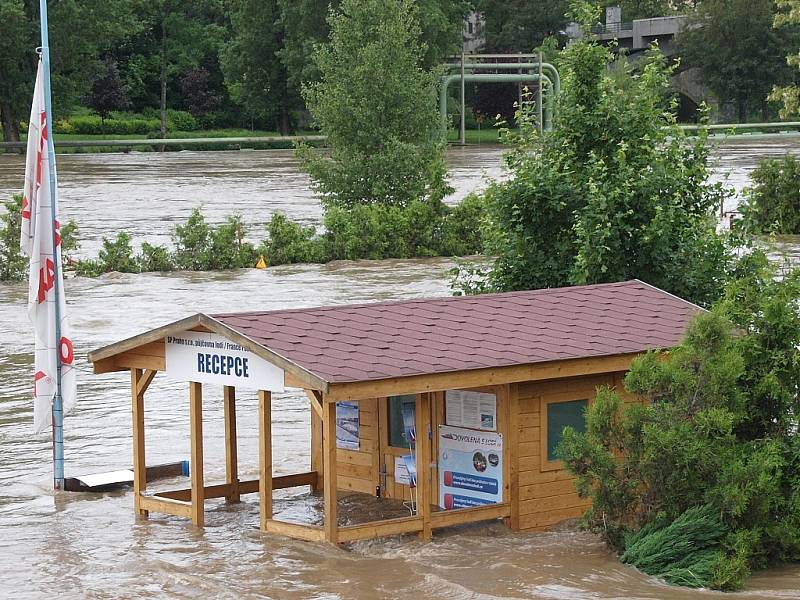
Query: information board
x,y
347,425
211,358
470,467
471,409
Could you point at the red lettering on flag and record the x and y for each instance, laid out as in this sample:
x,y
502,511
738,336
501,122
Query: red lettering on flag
x,y
66,351
46,279
26,210
58,233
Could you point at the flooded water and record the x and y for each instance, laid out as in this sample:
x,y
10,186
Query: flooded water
x,y
91,545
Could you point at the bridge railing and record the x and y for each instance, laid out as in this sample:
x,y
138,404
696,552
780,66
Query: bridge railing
x,y
612,28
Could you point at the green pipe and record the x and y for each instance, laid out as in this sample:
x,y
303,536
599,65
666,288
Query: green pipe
x,y
552,71
493,78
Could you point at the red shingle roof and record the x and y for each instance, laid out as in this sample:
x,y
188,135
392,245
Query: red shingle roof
x,y
364,342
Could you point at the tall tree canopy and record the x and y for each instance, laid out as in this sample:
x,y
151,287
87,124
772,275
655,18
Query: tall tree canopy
x,y
614,192
738,52
377,104
79,31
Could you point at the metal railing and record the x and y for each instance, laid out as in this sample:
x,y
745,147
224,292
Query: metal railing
x,y
612,28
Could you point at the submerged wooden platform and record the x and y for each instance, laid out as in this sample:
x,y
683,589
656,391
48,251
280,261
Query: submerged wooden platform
x,y
112,480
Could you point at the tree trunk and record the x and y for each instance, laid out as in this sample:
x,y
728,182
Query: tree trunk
x,y
10,129
764,111
742,110
163,106
285,125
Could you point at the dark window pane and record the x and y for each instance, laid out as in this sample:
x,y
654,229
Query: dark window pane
x,y
397,437
560,415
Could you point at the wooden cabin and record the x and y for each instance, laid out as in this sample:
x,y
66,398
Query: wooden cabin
x,y
471,392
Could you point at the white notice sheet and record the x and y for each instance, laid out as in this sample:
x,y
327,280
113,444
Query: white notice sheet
x,y
471,409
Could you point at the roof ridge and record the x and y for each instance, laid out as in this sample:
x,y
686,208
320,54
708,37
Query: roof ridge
x,y
535,292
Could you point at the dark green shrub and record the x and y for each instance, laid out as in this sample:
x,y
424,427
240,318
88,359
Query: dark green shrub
x,y
180,120
193,243
462,227
154,258
94,125
772,205
289,242
13,264
229,250
117,255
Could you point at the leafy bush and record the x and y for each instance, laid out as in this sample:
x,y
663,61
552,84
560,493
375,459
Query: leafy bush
x,y
462,229
193,243
154,258
94,125
290,242
181,120
229,250
772,205
13,264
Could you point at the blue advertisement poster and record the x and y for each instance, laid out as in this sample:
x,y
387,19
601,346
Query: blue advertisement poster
x,y
347,425
470,467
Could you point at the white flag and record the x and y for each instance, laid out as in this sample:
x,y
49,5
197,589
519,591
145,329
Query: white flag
x,y
36,241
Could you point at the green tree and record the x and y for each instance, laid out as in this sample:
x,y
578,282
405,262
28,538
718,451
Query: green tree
x,y
79,31
615,192
772,204
737,51
254,72
520,25
717,427
377,105
789,96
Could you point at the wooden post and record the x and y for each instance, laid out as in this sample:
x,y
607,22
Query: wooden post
x,y
316,450
196,424
423,447
139,465
231,452
265,455
329,470
511,453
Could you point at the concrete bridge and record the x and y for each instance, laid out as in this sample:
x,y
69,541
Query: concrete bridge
x,y
634,38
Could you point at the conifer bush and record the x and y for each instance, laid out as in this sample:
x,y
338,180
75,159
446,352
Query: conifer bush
x,y
698,484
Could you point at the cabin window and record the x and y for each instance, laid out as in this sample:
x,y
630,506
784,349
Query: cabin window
x,y
397,436
561,415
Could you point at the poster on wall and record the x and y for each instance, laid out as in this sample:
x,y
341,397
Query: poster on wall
x,y
347,425
400,471
470,468
211,358
471,409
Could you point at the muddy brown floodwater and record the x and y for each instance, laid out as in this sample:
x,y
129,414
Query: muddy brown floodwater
x,y
90,545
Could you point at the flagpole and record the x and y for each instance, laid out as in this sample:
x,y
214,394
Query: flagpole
x,y
58,408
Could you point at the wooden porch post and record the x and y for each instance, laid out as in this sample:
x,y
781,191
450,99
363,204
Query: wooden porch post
x,y
139,465
423,447
196,423
231,452
265,456
316,449
329,471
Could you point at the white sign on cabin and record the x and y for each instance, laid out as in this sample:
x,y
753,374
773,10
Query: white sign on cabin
x,y
211,358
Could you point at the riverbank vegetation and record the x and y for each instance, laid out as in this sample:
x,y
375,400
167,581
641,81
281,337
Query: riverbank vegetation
x,y
772,204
